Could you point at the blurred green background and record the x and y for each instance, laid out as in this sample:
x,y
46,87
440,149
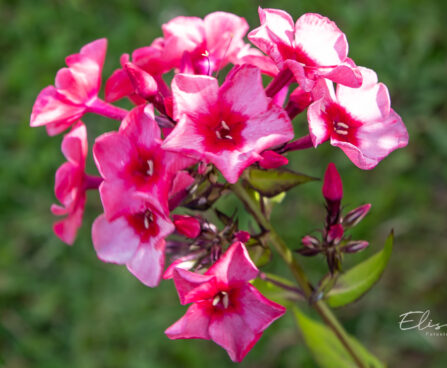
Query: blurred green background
x,y
61,307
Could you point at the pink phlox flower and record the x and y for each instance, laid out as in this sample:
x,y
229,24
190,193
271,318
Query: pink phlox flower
x,y
76,89
360,121
203,46
133,164
252,56
150,59
228,126
136,239
272,160
70,184
226,308
313,47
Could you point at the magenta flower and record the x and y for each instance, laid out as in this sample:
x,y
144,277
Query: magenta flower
x,y
70,184
75,91
150,59
229,126
358,120
226,307
312,47
203,46
136,239
133,164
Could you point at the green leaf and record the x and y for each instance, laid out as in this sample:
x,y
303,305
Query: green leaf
x,y
355,282
327,349
275,181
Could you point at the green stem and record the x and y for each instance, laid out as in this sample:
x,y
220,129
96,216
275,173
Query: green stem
x,y
298,273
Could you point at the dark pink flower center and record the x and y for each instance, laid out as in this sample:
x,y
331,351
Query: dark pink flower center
x,y
341,124
221,300
224,133
144,224
295,53
145,169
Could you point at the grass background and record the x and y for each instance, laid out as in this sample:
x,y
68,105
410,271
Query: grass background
x,y
61,307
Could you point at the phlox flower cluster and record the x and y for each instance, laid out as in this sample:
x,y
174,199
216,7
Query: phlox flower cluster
x,y
190,124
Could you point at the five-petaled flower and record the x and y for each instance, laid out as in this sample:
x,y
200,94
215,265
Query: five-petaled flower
x,y
226,307
358,120
133,164
229,126
75,91
136,239
312,47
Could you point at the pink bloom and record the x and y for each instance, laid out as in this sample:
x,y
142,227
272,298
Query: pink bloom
x,y
228,126
149,59
75,91
71,184
187,225
226,307
133,164
358,120
203,46
135,239
312,47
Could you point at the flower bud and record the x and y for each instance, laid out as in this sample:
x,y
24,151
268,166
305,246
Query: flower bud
x,y
242,236
353,217
335,234
272,160
355,246
144,84
310,242
187,225
332,185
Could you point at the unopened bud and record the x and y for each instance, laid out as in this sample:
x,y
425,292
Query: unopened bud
x,y
187,225
242,236
355,216
272,160
332,184
310,241
335,234
355,246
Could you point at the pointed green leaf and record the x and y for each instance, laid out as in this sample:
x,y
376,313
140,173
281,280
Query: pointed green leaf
x,y
327,349
355,282
275,181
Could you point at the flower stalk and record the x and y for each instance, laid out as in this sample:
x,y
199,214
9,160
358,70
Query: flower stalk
x,y
298,273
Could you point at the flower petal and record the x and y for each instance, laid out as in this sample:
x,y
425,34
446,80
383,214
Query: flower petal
x,y
257,311
193,325
320,39
230,331
148,262
114,241
234,267
192,287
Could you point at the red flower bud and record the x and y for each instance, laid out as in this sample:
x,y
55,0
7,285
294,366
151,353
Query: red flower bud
x,y
272,160
242,236
332,185
187,225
